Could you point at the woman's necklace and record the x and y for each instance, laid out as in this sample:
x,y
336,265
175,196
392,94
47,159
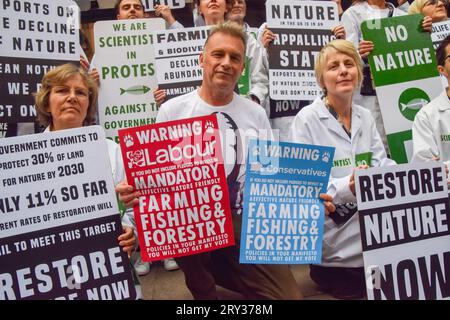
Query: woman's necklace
x,y
337,117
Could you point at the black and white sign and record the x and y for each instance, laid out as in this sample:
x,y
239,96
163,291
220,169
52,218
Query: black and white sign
x,y
439,31
173,4
405,218
302,28
177,59
35,36
59,219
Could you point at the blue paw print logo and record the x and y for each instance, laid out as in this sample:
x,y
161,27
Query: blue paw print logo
x,y
326,157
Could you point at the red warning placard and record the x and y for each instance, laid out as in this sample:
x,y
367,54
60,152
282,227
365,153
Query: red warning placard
x,y
178,168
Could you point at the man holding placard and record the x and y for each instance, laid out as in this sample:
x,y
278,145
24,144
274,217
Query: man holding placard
x,y
239,119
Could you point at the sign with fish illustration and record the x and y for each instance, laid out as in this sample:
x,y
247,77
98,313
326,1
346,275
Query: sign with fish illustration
x,y
125,60
404,71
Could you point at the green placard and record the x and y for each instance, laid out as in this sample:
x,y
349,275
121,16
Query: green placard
x,y
363,159
402,51
244,79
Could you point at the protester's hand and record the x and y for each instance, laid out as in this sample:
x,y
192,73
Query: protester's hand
x,y
427,23
127,194
96,76
437,158
267,37
327,203
159,95
163,11
351,184
84,63
365,47
127,240
339,31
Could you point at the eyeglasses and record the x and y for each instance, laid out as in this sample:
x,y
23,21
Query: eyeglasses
x,y
64,91
436,2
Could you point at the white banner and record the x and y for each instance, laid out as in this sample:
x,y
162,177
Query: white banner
x,y
173,4
405,220
177,59
302,28
124,57
54,179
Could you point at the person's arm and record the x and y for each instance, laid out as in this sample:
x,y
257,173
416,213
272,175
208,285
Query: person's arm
x,y
351,26
339,5
425,146
164,12
259,75
127,240
403,5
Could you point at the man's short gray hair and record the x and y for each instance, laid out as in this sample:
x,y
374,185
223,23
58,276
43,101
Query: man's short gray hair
x,y
230,28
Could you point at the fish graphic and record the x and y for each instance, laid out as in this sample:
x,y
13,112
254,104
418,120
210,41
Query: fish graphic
x,y
414,104
135,90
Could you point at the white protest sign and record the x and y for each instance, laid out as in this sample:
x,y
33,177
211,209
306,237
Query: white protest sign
x,y
439,31
124,58
35,36
404,217
302,28
177,59
149,5
59,219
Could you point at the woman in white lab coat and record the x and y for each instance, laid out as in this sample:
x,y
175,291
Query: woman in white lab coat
x,y
333,120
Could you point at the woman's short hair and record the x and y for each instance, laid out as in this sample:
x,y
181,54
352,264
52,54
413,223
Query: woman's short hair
x,y
59,76
418,5
341,46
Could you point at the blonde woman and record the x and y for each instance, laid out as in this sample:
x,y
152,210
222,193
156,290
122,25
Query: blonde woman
x,y
334,120
436,9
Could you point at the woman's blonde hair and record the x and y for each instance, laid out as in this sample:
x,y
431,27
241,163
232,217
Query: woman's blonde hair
x,y
59,76
341,46
417,6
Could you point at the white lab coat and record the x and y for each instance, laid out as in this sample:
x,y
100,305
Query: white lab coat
x,y
314,124
431,131
259,73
